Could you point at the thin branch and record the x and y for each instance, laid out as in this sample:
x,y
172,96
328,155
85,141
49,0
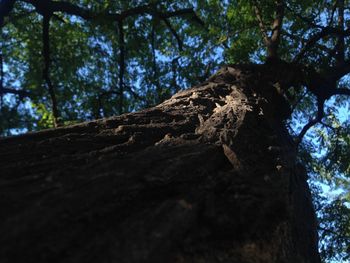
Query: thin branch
x,y
330,22
133,93
303,40
326,31
1,75
173,31
337,234
311,123
174,64
154,63
206,73
328,126
121,66
68,8
308,21
296,103
46,70
20,93
185,12
340,45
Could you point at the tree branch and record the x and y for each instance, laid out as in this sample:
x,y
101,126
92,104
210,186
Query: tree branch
x,y
72,9
308,21
340,45
337,234
121,66
184,12
133,93
174,64
311,123
303,40
46,70
332,13
61,6
326,31
154,63
20,93
1,74
173,31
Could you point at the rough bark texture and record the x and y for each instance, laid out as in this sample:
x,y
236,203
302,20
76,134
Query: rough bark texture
x,y
207,176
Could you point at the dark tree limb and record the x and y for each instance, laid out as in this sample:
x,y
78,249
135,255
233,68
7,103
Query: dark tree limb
x,y
64,7
72,9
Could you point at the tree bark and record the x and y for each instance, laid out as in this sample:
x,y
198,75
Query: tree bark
x,y
207,176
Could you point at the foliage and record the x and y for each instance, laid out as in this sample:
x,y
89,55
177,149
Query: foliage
x,y
99,68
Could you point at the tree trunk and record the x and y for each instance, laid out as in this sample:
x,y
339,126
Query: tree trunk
x,y
207,176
